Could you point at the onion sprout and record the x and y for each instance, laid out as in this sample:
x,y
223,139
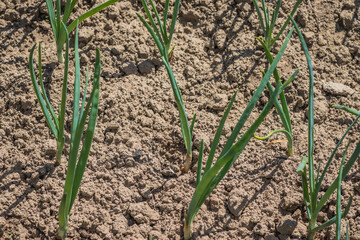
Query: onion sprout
x,y
212,175
312,186
163,42
56,124
267,26
77,162
56,21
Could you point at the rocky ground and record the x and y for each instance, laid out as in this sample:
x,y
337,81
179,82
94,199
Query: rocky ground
x,y
133,187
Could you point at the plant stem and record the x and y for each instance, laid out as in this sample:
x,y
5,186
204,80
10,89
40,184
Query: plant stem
x,y
187,230
60,56
187,162
311,235
312,223
61,233
290,151
60,147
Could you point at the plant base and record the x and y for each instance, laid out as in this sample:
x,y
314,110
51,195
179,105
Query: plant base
x,y
60,57
187,162
61,233
290,151
187,232
60,147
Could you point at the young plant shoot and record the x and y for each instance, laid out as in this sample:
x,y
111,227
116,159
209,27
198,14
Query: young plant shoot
x,y
213,173
163,39
77,162
56,123
56,21
312,186
267,26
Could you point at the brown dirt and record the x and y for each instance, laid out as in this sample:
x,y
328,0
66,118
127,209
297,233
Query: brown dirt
x,y
133,187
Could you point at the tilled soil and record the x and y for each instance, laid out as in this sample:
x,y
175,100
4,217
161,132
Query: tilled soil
x,y
133,186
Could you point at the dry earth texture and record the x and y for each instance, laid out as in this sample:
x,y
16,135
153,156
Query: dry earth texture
x,y
133,187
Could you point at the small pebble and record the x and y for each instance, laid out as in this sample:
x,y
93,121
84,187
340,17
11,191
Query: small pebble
x,y
137,155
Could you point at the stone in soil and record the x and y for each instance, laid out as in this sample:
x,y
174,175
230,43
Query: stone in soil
x,y
291,202
142,213
287,226
337,89
237,201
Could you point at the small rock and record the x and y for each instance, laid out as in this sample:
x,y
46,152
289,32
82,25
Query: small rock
x,y
146,67
11,15
220,39
112,127
260,229
297,214
346,18
349,4
19,165
300,231
21,134
119,224
214,203
168,172
86,34
302,18
322,217
287,226
84,58
50,147
337,89
284,237
137,154
113,12
291,202
45,26
26,104
191,15
129,162
86,193
142,213
220,102
146,193
343,55
238,199
271,237
117,50
189,72
103,230
109,137
129,68
309,38
84,234
156,62
125,194
321,110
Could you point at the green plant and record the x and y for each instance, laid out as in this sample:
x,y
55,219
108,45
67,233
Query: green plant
x,y
56,21
267,26
163,41
312,186
55,123
349,110
77,162
212,175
